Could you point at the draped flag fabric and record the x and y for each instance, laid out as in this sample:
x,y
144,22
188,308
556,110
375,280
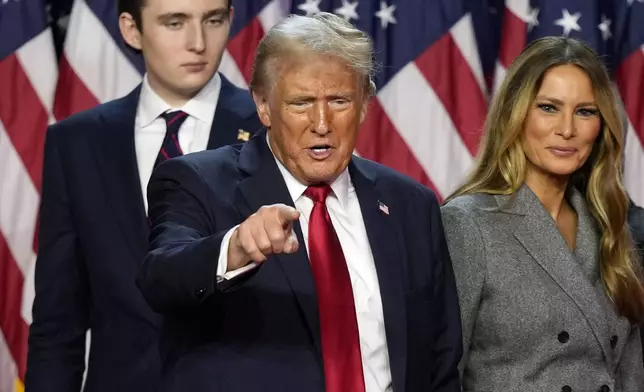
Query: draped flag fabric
x,y
426,119
28,75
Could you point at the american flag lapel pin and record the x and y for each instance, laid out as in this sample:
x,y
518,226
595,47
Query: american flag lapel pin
x,y
383,207
243,135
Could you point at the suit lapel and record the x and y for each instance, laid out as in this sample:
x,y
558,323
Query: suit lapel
x,y
231,111
264,186
116,157
386,247
539,235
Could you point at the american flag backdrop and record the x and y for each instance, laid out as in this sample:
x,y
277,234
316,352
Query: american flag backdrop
x,y
434,87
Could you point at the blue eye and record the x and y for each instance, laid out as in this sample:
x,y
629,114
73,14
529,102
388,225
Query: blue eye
x,y
547,107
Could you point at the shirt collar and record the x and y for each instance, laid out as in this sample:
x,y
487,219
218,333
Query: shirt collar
x,y
341,186
202,106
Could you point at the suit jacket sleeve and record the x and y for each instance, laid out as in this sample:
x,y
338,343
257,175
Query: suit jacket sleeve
x,y
448,345
180,269
468,258
57,335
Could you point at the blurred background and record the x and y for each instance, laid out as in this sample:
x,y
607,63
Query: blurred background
x,y
441,61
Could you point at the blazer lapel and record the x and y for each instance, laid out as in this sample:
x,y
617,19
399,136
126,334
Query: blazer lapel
x,y
263,186
231,111
539,235
386,247
116,157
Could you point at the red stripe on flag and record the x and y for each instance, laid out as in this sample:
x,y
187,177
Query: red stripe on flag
x,y
23,116
379,141
14,328
630,81
514,33
451,78
242,46
72,95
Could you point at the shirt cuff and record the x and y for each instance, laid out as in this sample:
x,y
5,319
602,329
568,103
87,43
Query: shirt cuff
x,y
222,263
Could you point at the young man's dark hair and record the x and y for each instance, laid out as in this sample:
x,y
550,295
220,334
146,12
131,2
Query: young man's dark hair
x,y
133,7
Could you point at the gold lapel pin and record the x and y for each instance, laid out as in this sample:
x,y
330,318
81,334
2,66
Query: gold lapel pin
x,y
243,135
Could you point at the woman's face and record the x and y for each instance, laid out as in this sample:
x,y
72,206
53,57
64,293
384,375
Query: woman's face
x,y
562,123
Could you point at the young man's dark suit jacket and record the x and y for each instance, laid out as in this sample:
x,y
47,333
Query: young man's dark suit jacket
x,y
261,333
93,236
636,223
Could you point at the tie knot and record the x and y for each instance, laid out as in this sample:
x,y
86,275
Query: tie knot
x,y
173,120
318,193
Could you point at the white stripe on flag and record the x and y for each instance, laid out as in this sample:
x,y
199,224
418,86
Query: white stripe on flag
x,y
19,202
94,56
38,60
229,68
634,166
274,11
463,35
427,128
8,370
521,8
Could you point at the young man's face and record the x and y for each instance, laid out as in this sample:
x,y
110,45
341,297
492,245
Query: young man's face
x,y
182,42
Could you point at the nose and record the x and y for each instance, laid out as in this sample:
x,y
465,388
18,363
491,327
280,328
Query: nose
x,y
196,40
566,127
321,118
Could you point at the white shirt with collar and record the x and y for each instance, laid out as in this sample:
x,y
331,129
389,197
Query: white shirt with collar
x,y
346,216
150,128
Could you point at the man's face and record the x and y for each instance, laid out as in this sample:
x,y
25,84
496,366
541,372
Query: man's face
x,y
182,43
313,110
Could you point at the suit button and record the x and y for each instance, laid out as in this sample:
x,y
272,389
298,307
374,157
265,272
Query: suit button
x,y
604,388
566,388
563,337
200,293
613,341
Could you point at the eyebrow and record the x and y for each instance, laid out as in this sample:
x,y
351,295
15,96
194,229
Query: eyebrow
x,y
560,102
182,15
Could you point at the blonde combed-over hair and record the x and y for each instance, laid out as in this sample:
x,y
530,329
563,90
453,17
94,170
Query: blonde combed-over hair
x,y
324,34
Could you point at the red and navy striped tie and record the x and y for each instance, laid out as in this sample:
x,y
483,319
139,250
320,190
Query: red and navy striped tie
x,y
170,147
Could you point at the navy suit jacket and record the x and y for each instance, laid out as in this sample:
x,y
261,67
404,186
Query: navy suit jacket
x,y
260,332
93,236
636,224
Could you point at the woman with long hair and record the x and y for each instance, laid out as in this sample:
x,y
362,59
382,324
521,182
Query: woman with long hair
x,y
551,295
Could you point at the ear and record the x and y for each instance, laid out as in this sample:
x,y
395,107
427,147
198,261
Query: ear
x,y
129,30
263,111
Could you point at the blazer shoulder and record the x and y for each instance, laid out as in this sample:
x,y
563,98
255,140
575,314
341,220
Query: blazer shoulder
x,y
210,163
89,120
472,204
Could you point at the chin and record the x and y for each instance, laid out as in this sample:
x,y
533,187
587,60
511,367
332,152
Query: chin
x,y
561,170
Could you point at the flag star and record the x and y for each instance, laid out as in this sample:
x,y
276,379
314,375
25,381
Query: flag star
x,y
348,10
311,7
386,14
569,22
630,2
604,27
533,19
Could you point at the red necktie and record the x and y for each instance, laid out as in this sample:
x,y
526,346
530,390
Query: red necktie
x,y
338,324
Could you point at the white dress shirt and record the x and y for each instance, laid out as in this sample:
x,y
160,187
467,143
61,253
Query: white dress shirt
x,y
346,216
150,128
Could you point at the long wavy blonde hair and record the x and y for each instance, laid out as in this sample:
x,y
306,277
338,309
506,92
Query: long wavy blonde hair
x,y
501,163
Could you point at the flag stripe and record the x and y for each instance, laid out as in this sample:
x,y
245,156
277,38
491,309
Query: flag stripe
x,y
514,32
13,327
242,47
426,127
95,57
451,78
8,371
378,138
25,128
71,95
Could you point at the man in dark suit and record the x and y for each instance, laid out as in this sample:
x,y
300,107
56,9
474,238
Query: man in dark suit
x,y
93,225
287,263
636,224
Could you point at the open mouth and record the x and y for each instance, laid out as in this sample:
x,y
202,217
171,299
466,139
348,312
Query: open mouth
x,y
320,151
